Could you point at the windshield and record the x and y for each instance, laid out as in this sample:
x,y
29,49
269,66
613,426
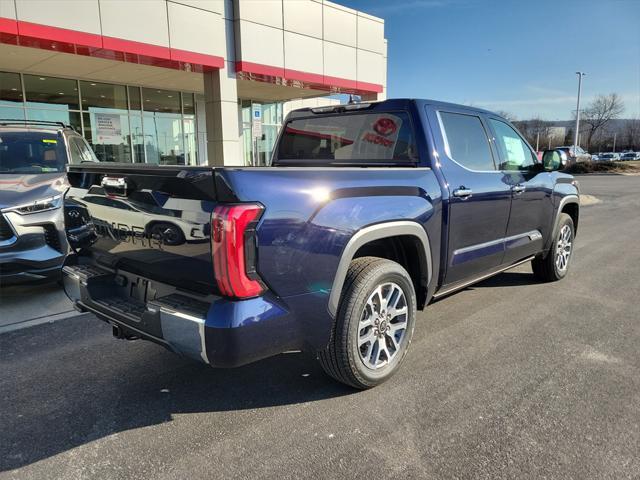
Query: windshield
x,y
32,152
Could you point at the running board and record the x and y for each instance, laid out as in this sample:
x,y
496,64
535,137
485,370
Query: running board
x,y
455,288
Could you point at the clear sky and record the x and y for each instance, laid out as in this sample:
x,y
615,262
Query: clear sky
x,y
519,56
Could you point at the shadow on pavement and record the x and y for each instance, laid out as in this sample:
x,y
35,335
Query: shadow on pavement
x,y
507,279
70,383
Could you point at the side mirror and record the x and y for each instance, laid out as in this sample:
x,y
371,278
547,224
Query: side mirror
x,y
554,160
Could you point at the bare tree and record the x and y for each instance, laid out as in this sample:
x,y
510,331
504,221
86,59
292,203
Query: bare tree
x,y
535,130
508,115
599,113
632,134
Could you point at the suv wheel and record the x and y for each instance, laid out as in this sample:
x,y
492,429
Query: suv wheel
x,y
555,265
168,233
374,325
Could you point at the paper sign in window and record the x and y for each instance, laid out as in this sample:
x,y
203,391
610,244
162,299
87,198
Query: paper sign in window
x,y
515,150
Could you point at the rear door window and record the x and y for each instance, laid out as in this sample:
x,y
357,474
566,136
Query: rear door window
x,y
353,138
467,141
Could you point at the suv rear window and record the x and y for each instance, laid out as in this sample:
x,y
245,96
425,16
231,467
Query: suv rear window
x,y
348,139
32,152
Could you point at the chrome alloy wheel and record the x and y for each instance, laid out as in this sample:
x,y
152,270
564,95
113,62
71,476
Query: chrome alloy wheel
x,y
563,248
383,325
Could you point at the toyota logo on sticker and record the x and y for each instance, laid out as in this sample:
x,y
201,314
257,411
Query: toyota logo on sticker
x,y
385,127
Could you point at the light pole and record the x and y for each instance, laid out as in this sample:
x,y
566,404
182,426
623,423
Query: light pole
x,y
575,143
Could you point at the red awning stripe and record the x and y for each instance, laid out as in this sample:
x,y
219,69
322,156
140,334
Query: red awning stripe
x,y
314,80
104,46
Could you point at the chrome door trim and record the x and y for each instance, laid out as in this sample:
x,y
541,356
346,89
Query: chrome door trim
x,y
532,235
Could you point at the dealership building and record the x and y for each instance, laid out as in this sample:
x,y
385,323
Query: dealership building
x,y
191,82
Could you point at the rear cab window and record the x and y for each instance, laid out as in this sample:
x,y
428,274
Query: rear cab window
x,y
360,138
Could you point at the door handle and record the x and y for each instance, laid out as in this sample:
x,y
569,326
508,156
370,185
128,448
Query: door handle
x,y
518,189
462,192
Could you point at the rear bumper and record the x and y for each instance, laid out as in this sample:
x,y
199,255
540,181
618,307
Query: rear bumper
x,y
213,330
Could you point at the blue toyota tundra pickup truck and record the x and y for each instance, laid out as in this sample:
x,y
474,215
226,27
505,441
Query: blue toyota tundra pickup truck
x,y
367,213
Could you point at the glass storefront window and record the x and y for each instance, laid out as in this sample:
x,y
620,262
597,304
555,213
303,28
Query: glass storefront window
x,y
162,101
267,143
257,151
10,89
68,118
272,113
188,104
103,95
137,138
164,139
107,131
50,92
190,140
134,98
11,113
121,123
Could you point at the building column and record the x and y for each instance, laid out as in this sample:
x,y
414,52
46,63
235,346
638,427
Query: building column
x,y
221,112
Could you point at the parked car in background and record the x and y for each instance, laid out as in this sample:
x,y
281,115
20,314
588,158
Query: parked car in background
x,y
609,157
367,213
33,158
630,156
577,156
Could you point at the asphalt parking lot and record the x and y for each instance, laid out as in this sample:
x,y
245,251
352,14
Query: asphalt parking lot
x,y
507,379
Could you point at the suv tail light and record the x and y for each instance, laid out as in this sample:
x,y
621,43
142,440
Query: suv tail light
x,y
233,246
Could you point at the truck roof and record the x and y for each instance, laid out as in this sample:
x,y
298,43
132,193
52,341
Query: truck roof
x,y
390,104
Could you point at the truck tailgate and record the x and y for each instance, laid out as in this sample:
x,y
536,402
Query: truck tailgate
x,y
149,220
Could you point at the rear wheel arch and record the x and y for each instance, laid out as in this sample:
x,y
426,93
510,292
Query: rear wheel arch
x,y
399,241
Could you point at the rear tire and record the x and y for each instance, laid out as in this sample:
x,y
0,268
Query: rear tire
x,y
374,325
553,268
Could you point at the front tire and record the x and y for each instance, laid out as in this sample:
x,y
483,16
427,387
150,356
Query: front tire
x,y
555,265
374,324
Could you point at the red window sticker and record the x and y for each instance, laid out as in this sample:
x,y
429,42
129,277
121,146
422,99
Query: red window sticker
x,y
385,126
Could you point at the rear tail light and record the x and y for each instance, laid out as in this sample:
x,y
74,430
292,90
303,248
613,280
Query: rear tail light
x,y
233,244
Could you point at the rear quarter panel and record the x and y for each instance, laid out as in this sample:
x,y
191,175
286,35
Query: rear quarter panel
x,y
311,213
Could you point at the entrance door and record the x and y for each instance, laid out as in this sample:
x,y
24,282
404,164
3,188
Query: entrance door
x,y
479,196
